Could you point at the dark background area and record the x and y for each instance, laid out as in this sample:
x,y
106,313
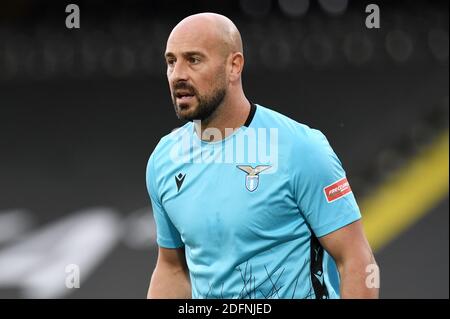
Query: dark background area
x,y
82,109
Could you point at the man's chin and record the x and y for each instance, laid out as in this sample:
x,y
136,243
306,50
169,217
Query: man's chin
x,y
186,112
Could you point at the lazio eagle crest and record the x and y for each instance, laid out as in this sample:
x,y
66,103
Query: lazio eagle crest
x,y
252,177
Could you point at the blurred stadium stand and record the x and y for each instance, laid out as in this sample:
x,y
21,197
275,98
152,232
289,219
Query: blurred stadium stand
x,y
81,110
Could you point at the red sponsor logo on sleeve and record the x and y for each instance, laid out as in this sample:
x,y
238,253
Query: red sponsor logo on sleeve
x,y
337,190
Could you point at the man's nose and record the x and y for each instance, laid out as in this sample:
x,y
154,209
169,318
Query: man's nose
x,y
179,72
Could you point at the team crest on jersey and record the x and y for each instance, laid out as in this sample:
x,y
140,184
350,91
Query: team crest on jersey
x,y
252,177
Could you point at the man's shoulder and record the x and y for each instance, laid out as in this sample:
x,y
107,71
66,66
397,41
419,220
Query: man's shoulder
x,y
296,132
305,148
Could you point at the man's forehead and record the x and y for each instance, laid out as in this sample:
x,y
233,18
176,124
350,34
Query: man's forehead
x,y
190,41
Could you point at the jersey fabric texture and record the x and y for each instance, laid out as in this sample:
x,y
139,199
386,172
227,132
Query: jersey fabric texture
x,y
250,224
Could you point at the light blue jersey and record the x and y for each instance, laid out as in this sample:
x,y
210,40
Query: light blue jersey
x,y
248,209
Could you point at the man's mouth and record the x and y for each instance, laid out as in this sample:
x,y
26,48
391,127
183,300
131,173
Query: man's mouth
x,y
184,96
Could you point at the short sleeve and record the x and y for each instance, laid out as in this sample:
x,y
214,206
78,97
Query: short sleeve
x,y
166,234
322,191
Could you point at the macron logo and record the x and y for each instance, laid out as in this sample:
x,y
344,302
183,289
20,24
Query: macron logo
x,y
179,180
337,190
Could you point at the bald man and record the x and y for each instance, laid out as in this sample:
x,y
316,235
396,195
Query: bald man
x,y
233,221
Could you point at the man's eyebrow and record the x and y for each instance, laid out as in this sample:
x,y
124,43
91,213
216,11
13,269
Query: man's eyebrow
x,y
169,55
185,54
191,53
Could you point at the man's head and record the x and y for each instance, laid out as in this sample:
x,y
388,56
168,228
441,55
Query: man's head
x,y
204,59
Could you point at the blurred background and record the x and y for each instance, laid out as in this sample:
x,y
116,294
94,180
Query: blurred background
x,y
82,109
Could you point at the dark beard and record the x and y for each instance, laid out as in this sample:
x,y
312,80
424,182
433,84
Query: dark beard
x,y
206,107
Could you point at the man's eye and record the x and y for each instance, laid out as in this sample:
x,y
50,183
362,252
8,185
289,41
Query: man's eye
x,y
170,62
194,60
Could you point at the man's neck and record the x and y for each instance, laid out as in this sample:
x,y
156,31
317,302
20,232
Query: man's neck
x,y
229,116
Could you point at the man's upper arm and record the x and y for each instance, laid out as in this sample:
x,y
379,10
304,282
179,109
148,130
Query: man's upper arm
x,y
170,278
347,243
172,257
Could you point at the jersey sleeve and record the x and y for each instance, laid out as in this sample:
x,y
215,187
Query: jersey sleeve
x,y
167,235
322,191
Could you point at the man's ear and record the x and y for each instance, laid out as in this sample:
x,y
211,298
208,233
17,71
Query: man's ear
x,y
237,65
